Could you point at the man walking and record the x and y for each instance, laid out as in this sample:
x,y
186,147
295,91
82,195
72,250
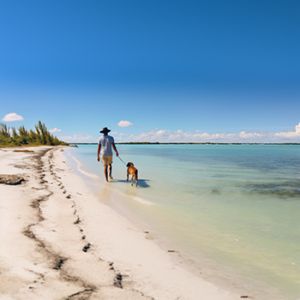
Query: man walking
x,y
105,144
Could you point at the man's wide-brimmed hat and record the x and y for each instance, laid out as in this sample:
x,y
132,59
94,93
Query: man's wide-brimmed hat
x,y
105,130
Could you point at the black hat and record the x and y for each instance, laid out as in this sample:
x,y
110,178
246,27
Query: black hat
x,y
105,130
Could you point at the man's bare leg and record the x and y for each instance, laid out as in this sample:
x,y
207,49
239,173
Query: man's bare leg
x,y
109,171
105,172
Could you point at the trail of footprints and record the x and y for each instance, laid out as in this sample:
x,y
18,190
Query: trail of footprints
x,y
88,291
62,187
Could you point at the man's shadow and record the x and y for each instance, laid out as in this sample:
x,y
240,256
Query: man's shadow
x,y
141,182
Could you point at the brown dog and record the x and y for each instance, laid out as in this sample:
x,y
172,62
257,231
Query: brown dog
x,y
131,170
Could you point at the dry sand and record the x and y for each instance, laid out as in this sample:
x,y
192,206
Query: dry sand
x,y
57,241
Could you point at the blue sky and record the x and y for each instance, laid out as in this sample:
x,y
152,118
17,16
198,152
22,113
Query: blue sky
x,y
174,70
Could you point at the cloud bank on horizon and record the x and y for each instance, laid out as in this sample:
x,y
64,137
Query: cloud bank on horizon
x,y
12,117
197,136
163,135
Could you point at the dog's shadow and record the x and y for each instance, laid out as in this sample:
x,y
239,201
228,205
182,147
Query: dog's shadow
x,y
141,182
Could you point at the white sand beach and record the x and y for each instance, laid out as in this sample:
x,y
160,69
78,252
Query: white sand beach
x,y
57,241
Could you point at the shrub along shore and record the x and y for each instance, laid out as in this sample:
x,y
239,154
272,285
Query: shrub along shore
x,y
12,137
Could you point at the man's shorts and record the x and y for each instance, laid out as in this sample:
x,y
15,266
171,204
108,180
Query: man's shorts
x,y
106,160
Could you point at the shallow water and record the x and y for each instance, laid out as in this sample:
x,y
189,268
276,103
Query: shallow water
x,y
234,208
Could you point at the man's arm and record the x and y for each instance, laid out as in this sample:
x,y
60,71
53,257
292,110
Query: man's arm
x,y
114,146
98,153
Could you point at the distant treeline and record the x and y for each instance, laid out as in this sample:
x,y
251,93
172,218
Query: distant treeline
x,y
11,137
208,143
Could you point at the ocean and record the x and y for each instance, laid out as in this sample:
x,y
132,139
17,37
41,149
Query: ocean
x,y
231,211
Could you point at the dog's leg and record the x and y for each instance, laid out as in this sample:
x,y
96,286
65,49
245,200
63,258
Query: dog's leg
x,y
132,179
136,178
127,175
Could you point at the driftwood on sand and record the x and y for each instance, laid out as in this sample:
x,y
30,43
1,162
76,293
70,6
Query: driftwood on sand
x,y
11,179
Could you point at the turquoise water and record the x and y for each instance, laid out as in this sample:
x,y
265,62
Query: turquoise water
x,y
234,208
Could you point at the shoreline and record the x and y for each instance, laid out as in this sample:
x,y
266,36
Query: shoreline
x,y
60,242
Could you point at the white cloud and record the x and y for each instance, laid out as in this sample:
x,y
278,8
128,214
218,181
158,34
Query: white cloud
x,y
12,117
124,124
290,134
55,130
79,138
